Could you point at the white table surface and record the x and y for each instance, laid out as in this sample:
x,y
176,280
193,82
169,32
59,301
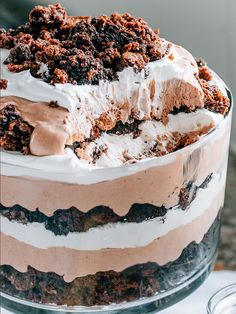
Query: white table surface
x,y
197,301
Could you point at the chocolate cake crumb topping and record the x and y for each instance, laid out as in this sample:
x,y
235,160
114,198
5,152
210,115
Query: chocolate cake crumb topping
x,y
80,50
15,133
204,71
200,62
58,48
3,84
51,16
214,99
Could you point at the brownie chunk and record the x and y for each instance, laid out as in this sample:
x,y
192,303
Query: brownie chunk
x,y
80,50
103,288
3,84
15,133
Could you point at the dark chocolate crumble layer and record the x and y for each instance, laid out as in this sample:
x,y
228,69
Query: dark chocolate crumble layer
x,y
73,220
104,288
15,133
80,50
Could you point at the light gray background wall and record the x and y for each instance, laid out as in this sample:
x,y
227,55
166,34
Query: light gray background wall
x,y
205,27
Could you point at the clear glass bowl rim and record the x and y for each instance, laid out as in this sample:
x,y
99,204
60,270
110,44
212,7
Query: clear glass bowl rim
x,y
116,172
219,296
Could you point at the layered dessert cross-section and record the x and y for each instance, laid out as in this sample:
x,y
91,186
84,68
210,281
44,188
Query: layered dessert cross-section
x,y
114,149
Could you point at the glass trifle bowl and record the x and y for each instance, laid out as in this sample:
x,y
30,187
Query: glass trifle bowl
x,y
140,237
113,166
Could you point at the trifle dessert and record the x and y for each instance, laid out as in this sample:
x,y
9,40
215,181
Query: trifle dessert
x,y
114,153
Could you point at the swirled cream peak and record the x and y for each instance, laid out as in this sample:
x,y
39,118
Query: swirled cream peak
x,y
151,93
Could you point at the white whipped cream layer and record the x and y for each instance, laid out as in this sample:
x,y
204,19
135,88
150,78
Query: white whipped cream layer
x,y
95,100
118,235
96,97
68,168
183,123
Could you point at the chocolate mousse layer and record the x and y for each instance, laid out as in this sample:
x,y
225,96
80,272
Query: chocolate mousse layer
x,y
44,129
86,103
142,280
64,221
79,262
34,127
